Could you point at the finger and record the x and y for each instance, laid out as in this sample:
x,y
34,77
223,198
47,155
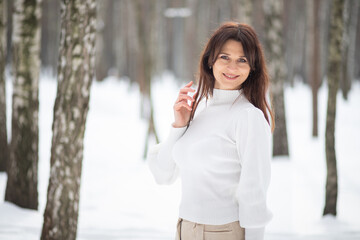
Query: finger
x,y
189,84
180,105
186,90
185,97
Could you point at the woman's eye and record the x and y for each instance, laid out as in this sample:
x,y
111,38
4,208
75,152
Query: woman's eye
x,y
243,60
224,57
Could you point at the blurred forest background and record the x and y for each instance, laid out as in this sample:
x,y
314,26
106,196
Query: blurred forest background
x,y
180,28
137,40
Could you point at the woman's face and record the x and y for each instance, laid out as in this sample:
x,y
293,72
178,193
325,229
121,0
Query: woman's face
x,y
231,67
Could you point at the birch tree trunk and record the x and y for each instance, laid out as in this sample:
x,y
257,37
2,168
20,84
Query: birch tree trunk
x,y
75,74
21,188
3,128
277,66
334,70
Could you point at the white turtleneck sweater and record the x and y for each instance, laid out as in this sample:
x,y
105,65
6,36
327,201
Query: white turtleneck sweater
x,y
224,163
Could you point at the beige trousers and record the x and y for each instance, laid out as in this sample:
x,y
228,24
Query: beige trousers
x,y
187,230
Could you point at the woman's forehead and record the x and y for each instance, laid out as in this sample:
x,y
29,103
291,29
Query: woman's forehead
x,y
232,47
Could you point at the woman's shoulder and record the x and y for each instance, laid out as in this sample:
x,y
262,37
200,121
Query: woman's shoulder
x,y
243,105
246,111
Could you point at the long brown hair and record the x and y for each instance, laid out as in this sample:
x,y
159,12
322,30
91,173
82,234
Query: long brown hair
x,y
256,84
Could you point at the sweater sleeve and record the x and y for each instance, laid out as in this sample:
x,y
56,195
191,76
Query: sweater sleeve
x,y
253,141
160,161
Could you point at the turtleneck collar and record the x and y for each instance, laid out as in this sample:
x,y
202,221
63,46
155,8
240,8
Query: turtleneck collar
x,y
221,96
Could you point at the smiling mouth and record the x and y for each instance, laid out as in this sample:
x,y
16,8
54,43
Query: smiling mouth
x,y
230,76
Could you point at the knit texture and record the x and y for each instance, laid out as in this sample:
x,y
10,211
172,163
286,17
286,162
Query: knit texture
x,y
223,159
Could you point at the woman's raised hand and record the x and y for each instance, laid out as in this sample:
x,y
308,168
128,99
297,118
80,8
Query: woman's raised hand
x,y
182,109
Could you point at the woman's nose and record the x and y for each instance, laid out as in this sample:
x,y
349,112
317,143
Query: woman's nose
x,y
232,65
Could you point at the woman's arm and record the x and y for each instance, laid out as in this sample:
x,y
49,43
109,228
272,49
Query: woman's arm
x,y
160,159
254,147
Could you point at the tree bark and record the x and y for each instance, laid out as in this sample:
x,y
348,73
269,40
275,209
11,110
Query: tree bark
x,y
277,66
75,75
120,25
325,12
145,17
315,66
4,152
345,79
299,43
50,32
334,70
101,63
291,31
357,46
351,9
21,188
9,26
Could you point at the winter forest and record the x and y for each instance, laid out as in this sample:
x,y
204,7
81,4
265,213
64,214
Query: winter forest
x,y
87,86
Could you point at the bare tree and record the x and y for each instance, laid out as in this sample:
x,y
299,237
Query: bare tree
x,y
9,26
131,40
357,46
145,18
354,25
325,12
50,32
3,129
290,20
315,66
334,70
21,187
351,8
275,57
75,74
121,20
299,42
103,39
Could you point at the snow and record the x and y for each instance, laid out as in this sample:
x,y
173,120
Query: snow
x,y
120,199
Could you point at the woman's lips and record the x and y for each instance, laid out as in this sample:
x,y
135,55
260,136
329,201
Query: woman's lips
x,y
230,76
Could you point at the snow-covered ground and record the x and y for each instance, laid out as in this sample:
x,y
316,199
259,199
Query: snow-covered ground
x,y
120,200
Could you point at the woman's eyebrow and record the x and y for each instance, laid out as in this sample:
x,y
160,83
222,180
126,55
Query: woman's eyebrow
x,y
229,54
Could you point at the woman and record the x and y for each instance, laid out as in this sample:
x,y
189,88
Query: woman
x,y
220,143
